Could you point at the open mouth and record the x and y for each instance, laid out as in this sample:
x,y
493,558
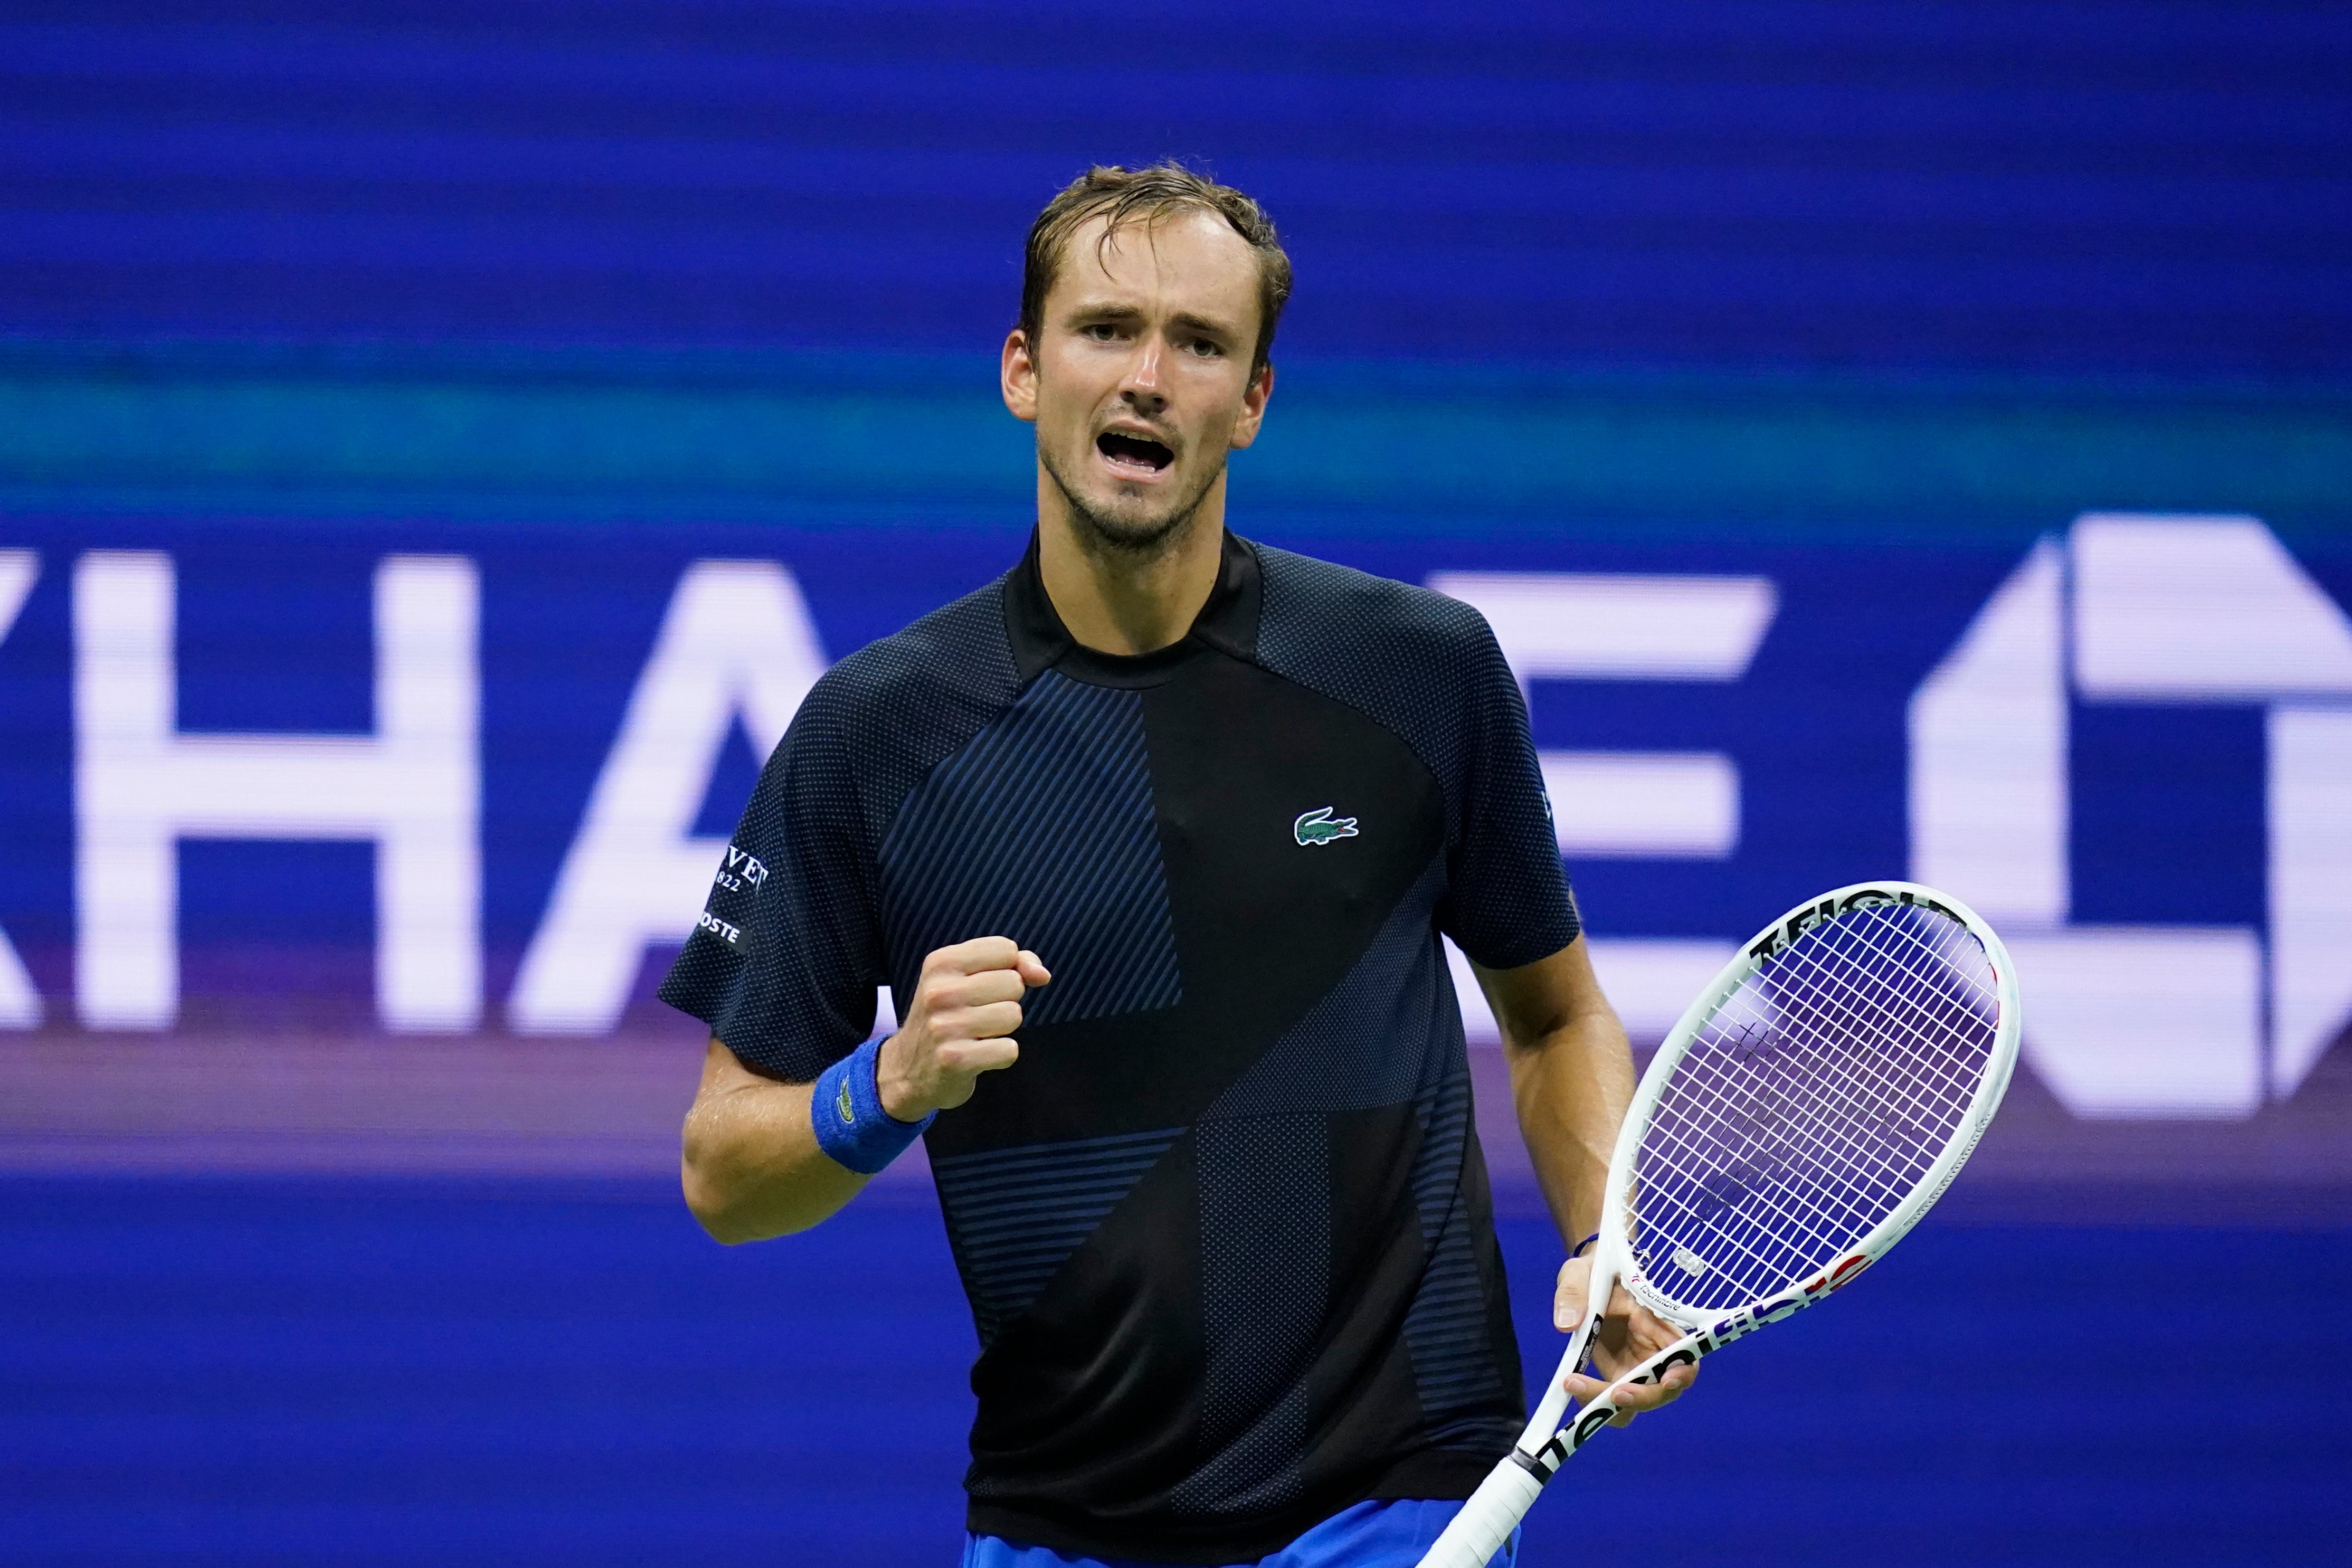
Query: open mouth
x,y
1138,452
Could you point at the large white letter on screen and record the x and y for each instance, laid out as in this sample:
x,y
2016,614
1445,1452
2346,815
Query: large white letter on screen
x,y
140,786
1988,730
2148,1020
1580,626
737,640
20,1004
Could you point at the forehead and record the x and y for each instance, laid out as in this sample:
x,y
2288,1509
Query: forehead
x,y
1190,260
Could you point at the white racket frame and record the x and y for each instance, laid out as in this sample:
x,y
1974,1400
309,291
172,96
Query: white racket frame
x,y
1503,1498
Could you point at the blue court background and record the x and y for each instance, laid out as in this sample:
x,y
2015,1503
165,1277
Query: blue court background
x,y
215,1373
1863,298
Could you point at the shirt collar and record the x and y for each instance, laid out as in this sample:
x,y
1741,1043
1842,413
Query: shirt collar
x,y
1227,623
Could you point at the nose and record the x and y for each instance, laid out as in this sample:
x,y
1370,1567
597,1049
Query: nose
x,y
1140,388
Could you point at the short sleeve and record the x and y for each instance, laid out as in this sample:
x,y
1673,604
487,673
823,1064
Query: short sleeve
x,y
786,959
1507,900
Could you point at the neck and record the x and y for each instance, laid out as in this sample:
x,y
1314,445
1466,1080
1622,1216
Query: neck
x,y
1129,602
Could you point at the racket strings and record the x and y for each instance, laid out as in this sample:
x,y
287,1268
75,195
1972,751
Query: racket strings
x,y
1763,1208
1810,1105
1759,1165
1755,1165
1841,1094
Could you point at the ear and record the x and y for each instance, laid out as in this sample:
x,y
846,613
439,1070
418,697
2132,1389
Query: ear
x,y
1017,376
1253,402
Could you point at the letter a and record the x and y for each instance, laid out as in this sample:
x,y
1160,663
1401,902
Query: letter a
x,y
736,640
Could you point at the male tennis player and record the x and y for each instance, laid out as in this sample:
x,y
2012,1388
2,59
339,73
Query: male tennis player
x,y
1188,813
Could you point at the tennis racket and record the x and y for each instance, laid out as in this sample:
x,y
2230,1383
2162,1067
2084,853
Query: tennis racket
x,y
1812,1104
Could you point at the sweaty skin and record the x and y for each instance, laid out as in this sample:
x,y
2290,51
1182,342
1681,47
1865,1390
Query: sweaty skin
x,y
1140,386
1146,337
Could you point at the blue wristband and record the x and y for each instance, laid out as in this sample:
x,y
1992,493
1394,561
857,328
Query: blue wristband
x,y
847,1111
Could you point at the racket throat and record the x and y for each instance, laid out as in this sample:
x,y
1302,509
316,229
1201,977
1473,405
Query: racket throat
x,y
1545,1462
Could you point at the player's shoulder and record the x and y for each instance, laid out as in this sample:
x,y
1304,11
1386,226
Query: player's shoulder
x,y
1318,613
956,657
1422,665
876,722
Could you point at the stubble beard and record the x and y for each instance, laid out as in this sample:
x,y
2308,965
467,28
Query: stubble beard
x,y
1132,539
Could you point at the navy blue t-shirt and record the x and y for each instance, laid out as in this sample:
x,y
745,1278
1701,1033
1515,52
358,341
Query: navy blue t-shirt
x,y
1225,1226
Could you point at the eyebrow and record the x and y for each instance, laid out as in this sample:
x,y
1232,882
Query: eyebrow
x,y
1106,310
1204,324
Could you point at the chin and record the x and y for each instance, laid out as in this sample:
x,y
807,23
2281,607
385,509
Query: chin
x,y
1131,527
1128,523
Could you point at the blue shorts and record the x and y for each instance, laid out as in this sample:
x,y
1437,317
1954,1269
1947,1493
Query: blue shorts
x,y
1382,1533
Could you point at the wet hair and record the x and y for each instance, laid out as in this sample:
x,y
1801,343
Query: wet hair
x,y
1148,196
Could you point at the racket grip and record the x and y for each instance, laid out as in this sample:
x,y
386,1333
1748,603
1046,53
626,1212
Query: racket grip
x,y
1487,1521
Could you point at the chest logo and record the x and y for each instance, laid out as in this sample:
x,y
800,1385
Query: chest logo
x,y
1319,826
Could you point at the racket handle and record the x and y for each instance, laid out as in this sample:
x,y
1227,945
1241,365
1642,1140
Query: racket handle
x,y
1487,1521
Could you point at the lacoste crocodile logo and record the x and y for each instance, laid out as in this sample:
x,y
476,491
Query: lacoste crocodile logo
x,y
1319,826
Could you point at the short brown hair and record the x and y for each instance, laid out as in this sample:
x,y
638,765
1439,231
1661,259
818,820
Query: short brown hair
x,y
1147,196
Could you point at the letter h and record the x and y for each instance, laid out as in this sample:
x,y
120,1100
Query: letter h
x,y
140,786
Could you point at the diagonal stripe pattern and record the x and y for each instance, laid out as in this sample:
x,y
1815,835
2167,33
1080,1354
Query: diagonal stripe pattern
x,y
1016,1214
1041,829
1446,1327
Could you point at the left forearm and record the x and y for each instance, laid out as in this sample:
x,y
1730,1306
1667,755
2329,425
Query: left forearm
x,y
1571,1077
1571,1087
1571,1081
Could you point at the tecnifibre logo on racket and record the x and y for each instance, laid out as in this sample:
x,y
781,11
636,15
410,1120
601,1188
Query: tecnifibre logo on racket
x,y
1805,919
1319,826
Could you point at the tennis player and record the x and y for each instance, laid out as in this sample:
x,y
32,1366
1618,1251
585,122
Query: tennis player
x,y
1187,815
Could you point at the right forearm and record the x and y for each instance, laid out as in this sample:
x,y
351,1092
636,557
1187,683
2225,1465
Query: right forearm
x,y
752,1167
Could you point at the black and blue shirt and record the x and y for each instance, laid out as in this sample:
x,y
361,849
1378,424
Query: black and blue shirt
x,y
1225,1226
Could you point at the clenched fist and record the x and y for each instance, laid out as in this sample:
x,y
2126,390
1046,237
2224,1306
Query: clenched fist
x,y
958,1026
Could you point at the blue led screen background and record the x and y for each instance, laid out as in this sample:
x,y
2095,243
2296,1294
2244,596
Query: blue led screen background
x,y
439,444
